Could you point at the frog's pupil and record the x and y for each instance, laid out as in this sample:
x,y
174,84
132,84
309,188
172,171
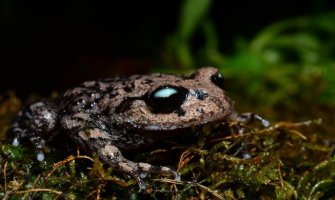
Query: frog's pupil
x,y
217,79
167,99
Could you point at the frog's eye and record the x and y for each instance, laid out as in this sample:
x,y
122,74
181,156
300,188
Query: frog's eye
x,y
217,79
167,99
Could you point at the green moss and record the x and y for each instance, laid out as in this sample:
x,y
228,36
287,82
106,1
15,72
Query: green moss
x,y
284,161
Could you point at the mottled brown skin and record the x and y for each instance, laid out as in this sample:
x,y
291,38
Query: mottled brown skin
x,y
111,115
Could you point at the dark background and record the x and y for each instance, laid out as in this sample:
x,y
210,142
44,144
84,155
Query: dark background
x,y
50,45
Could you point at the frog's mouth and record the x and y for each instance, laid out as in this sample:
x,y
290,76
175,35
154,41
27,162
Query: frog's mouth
x,y
160,127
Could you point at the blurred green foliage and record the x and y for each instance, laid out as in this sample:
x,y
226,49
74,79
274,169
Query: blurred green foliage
x,y
289,65
292,60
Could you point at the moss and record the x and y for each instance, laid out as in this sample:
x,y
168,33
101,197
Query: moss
x,y
284,161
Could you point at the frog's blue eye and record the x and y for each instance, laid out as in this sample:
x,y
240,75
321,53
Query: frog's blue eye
x,y
217,79
165,92
167,99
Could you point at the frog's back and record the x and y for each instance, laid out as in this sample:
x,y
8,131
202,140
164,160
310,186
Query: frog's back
x,y
106,95
95,96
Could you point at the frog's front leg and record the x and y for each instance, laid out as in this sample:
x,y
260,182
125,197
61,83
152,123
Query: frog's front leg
x,y
112,155
35,122
101,142
91,133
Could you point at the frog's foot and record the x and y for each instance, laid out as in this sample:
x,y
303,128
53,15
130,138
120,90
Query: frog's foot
x,y
39,144
140,170
19,134
250,117
37,141
111,154
34,122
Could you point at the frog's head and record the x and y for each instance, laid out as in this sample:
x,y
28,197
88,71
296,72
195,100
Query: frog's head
x,y
171,102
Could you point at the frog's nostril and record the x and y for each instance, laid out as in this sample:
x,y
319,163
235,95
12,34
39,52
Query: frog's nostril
x,y
201,95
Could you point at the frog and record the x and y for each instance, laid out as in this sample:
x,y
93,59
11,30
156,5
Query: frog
x,y
112,115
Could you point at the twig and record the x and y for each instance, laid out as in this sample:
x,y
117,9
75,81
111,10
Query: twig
x,y
191,184
185,158
5,174
66,160
9,193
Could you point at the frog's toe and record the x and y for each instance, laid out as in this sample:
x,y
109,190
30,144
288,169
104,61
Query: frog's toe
x,y
40,156
141,185
140,171
250,117
143,169
147,168
16,141
264,122
39,144
167,170
19,134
